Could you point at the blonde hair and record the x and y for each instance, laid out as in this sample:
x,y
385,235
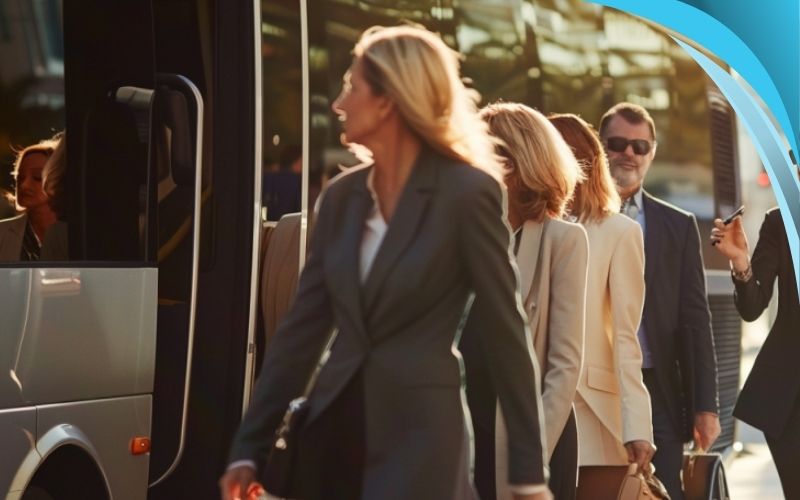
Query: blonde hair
x,y
596,197
542,170
45,147
420,74
53,173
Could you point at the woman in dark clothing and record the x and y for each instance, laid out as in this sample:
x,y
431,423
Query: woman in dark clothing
x,y
770,398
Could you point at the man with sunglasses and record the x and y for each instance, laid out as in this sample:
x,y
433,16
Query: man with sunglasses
x,y
679,364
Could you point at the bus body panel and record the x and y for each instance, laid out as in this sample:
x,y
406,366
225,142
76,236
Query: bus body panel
x,y
17,435
77,334
104,429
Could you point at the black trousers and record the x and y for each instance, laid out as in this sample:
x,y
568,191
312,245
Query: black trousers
x,y
668,459
564,462
332,449
785,450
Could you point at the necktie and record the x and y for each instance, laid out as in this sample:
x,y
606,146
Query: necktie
x,y
629,208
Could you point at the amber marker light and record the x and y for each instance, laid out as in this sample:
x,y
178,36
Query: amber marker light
x,y
140,445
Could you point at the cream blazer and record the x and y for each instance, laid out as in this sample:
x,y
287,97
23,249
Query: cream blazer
x,y
611,383
556,316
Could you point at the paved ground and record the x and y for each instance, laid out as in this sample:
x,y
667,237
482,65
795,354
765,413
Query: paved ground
x,y
752,475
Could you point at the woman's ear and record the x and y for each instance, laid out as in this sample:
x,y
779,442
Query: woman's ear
x,y
386,107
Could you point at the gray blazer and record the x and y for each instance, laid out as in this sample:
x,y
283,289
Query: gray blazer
x,y
12,230
446,241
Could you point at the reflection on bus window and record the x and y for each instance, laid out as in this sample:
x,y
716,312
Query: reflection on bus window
x,y
38,232
31,83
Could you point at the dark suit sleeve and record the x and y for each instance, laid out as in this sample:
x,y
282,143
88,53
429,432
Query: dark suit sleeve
x,y
290,357
753,296
695,321
501,325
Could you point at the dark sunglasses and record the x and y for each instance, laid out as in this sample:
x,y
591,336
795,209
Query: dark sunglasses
x,y
620,144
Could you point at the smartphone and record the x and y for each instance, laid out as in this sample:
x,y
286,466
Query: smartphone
x,y
739,211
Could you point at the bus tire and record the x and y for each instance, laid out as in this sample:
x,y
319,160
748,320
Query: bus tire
x,y
67,473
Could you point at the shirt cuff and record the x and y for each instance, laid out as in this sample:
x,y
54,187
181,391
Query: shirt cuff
x,y
527,489
241,463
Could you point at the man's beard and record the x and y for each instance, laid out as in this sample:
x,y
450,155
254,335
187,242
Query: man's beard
x,y
625,178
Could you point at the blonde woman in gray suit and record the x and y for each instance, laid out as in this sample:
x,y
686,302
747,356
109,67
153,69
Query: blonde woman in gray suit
x,y
552,256
400,247
612,405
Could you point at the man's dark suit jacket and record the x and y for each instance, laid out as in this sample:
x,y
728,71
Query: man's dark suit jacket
x,y
446,240
676,317
771,390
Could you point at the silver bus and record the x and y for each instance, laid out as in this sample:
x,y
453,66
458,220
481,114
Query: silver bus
x,y
192,127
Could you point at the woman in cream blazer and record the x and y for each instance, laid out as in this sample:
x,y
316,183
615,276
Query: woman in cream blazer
x,y
542,175
612,404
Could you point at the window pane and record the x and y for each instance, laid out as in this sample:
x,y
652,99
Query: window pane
x,y
31,110
282,107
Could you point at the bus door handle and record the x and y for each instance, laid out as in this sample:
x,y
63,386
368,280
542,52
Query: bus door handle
x,y
184,172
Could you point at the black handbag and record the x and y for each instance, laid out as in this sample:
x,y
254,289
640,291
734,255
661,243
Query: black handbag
x,y
704,477
279,471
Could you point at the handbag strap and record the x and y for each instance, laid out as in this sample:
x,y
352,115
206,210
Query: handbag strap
x,y
323,358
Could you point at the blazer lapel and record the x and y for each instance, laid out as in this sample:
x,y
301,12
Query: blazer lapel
x,y
349,251
531,239
403,226
652,236
654,228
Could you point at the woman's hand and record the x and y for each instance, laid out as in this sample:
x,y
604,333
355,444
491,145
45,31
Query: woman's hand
x,y
731,242
239,483
641,452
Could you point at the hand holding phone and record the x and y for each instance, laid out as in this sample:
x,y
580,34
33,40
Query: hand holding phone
x,y
729,239
739,211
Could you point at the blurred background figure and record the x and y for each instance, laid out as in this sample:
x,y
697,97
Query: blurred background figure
x,y
612,405
552,256
770,398
22,238
281,189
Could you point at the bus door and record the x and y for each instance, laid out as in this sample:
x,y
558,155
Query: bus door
x,y
79,353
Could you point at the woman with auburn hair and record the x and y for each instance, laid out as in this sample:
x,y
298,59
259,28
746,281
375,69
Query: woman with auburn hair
x,y
400,246
23,238
552,257
612,404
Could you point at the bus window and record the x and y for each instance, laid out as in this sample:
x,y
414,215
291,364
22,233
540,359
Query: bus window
x,y
281,143
572,68
32,96
493,40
